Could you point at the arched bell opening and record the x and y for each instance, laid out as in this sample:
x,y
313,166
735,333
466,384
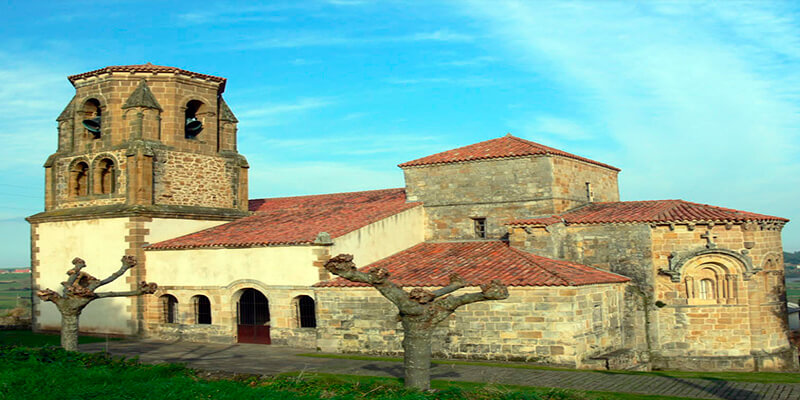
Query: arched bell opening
x,y
92,117
252,313
193,125
79,180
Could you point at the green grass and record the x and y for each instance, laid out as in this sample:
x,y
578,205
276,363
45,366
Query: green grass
x,y
758,377
13,286
30,339
793,291
47,373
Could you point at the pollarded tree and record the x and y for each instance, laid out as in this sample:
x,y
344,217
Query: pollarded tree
x,y
79,290
420,311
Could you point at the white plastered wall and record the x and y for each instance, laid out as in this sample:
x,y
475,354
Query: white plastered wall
x,y
273,266
167,228
101,243
383,238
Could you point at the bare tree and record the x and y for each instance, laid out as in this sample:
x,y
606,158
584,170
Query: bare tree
x,y
79,290
420,311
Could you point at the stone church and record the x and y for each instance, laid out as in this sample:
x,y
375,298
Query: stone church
x,y
147,165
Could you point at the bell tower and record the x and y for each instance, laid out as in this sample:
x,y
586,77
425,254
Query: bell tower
x,y
146,135
145,153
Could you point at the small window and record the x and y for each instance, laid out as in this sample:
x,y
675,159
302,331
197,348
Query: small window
x,y
706,291
104,177
589,193
169,309
79,180
306,312
202,310
480,227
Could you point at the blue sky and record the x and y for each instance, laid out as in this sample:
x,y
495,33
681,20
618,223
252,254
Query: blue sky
x,y
698,101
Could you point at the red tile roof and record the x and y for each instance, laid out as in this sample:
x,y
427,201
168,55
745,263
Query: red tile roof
x,y
297,220
503,147
148,68
430,264
648,211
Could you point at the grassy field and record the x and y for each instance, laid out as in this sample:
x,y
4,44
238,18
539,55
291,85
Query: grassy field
x,y
793,291
13,286
47,373
30,339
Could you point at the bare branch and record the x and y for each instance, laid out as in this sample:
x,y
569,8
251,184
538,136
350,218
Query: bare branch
x,y
421,296
456,282
144,288
491,291
74,273
128,262
48,295
342,265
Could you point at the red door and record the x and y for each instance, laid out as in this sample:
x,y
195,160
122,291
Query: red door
x,y
253,318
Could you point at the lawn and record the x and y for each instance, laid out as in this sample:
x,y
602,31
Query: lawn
x,y
30,339
47,373
13,286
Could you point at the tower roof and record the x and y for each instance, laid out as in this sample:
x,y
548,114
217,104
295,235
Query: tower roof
x,y
502,147
148,68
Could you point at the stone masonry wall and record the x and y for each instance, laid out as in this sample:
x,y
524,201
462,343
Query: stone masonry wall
x,y
743,320
556,325
569,183
500,190
192,180
61,183
624,249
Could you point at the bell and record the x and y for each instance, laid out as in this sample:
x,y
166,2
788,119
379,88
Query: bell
x,y
92,125
193,127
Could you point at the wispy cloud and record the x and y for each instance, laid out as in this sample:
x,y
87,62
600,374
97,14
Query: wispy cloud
x,y
461,81
703,99
274,40
468,62
271,114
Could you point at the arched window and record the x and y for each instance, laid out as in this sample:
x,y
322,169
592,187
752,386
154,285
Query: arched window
x,y
706,289
104,174
202,310
79,180
169,309
193,124
306,312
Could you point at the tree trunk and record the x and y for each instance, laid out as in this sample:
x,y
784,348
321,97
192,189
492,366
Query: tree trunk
x,y
417,354
69,330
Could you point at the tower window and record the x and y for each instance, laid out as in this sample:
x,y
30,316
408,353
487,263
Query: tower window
x,y
79,181
479,224
589,193
306,312
104,177
202,310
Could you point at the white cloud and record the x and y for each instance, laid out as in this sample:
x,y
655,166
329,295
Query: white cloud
x,y
272,114
703,99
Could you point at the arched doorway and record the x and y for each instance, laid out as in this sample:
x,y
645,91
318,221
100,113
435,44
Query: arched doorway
x,y
252,317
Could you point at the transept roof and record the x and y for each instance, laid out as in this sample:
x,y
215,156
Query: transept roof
x,y
478,262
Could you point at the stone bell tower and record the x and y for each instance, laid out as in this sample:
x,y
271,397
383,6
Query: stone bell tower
x,y
145,153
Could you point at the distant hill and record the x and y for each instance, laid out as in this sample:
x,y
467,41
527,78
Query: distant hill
x,y
791,258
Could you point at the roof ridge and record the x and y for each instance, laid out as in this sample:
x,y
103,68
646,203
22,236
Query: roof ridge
x,y
328,194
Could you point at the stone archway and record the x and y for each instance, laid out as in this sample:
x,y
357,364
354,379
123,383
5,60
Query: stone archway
x,y
252,317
